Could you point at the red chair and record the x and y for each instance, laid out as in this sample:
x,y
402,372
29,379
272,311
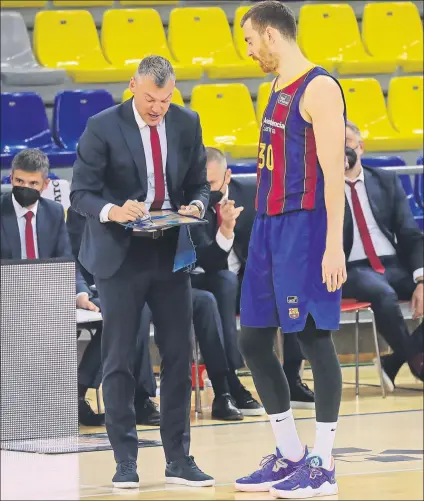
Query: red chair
x,y
353,306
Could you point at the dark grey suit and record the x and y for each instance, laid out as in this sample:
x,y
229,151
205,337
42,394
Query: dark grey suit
x,y
129,271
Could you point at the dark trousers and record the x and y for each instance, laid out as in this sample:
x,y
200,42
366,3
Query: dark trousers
x,y
384,292
224,287
146,276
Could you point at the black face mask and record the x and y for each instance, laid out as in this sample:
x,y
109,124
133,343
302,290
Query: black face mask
x,y
215,197
25,196
352,157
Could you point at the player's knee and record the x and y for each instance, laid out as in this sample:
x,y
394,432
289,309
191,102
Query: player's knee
x,y
253,342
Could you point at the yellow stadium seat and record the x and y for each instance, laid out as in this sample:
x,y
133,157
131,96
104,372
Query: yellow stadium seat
x,y
177,98
262,100
68,39
405,106
202,36
82,3
329,36
20,4
367,109
128,35
143,3
227,117
394,30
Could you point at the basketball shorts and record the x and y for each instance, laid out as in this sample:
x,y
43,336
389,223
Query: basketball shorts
x,y
283,278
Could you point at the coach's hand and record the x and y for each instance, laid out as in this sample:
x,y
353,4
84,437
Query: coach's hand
x,y
84,303
417,301
334,268
130,211
229,215
189,210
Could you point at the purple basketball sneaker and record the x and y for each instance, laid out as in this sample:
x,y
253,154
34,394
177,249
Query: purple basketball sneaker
x,y
308,481
273,469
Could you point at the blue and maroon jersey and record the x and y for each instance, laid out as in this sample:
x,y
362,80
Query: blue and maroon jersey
x,y
289,176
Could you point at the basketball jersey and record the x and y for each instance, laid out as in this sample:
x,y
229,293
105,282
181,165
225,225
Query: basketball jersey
x,y
289,176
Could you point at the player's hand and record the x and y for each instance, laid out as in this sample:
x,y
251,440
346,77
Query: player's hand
x,y
189,210
85,304
130,211
334,268
229,214
417,301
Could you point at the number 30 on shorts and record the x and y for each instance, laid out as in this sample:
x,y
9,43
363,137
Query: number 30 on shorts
x,y
266,156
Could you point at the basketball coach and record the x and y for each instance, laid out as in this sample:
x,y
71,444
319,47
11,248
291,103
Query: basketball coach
x,y
143,154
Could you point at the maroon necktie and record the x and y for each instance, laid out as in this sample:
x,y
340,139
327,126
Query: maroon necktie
x,y
218,215
158,169
374,260
29,236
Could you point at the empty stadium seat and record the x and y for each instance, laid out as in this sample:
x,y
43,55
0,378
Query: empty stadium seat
x,y
262,100
68,39
18,64
128,35
72,109
202,36
419,185
143,3
82,3
228,118
328,35
394,30
24,124
367,109
21,4
405,106
177,98
383,161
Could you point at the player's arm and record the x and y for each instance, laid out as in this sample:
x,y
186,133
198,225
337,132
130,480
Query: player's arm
x,y
323,102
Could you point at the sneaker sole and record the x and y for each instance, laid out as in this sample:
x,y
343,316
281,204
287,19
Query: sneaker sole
x,y
326,489
388,384
126,485
295,404
265,487
253,412
190,483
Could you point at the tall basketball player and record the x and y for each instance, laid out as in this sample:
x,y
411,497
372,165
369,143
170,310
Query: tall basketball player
x,y
296,264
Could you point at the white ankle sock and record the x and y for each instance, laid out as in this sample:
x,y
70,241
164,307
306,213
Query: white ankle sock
x,y
324,442
286,436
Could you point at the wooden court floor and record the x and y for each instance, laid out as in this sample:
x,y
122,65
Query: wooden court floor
x,y
378,453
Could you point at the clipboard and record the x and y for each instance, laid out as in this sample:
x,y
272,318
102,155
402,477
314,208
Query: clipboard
x,y
161,220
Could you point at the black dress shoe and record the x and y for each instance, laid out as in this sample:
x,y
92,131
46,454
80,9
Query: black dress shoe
x,y
301,397
146,412
185,471
223,408
86,416
247,404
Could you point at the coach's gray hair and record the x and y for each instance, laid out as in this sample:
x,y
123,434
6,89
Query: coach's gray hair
x,y
215,155
157,67
353,127
31,160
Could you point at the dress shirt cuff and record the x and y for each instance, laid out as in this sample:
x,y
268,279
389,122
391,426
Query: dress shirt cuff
x,y
418,273
200,203
104,213
223,242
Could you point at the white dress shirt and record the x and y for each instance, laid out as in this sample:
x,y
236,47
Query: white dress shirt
x,y
382,244
145,137
20,216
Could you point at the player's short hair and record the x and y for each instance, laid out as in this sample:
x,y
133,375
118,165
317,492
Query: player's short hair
x,y
274,14
353,127
215,155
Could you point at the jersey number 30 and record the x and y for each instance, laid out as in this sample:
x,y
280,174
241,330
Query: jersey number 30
x,y
266,156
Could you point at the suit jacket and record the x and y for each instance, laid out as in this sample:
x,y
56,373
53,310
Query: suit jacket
x,y
111,168
52,236
391,211
210,256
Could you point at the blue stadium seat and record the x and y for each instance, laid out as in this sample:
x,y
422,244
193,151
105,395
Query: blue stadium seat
x,y
24,124
383,161
243,168
419,185
72,109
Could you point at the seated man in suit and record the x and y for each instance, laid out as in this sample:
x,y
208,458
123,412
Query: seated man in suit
x,y
34,227
384,252
146,410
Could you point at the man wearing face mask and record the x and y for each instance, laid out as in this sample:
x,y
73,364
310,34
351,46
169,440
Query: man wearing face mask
x,y
384,252
34,228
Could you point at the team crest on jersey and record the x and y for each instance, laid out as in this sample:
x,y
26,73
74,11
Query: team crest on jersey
x,y
294,313
284,99
292,299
